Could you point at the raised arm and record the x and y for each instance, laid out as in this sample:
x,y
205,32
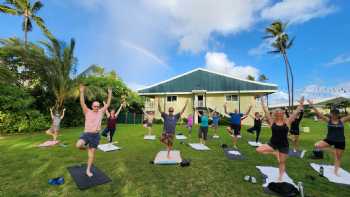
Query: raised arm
x,y
267,113
346,118
184,108
225,108
51,113
248,111
120,108
159,107
109,98
318,113
62,116
296,112
82,99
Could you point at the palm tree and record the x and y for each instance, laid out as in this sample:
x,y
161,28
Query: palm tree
x,y
280,44
262,78
29,12
251,78
61,65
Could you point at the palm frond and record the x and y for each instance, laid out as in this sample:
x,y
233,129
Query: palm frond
x,y
8,10
274,51
19,4
36,7
40,22
290,43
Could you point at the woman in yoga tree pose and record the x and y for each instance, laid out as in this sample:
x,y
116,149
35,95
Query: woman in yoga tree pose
x,y
170,120
203,127
149,117
257,125
335,135
111,122
56,121
278,144
295,129
235,123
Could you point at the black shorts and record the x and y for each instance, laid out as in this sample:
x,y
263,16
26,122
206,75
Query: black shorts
x,y
281,149
91,139
337,145
295,131
236,128
203,133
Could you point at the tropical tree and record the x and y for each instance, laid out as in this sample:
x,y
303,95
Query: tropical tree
x,y
251,78
262,78
61,65
281,43
28,11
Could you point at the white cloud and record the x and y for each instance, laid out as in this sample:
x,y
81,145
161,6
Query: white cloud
x,y
263,48
279,97
340,59
313,92
298,11
219,62
193,22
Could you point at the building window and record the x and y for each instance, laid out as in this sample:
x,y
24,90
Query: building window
x,y
231,98
171,98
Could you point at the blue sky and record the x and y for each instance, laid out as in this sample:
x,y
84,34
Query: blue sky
x,y
147,41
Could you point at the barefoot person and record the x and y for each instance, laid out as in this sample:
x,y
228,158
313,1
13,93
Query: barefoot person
x,y
93,119
189,124
295,130
169,126
215,122
56,121
149,117
278,144
335,135
111,122
257,126
235,123
203,127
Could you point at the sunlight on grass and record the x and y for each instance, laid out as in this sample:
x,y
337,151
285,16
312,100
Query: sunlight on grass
x,y
210,173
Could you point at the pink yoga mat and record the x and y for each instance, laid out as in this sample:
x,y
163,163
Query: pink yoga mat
x,y
49,143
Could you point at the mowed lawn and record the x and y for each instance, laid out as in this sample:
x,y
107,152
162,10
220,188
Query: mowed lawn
x,y
25,168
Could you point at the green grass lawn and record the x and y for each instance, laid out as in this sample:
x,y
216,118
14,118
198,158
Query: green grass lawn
x,y
25,169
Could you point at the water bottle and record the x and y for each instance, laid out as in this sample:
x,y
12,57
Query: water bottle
x,y
301,189
321,171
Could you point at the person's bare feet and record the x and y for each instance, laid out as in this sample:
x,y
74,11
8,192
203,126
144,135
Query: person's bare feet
x,y
89,174
279,179
336,173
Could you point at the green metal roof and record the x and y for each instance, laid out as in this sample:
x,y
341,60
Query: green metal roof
x,y
202,79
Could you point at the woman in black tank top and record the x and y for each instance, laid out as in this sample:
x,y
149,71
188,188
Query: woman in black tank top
x,y
278,144
257,125
335,135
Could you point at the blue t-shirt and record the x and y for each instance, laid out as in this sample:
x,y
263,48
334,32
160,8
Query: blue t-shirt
x,y
204,121
216,120
235,118
170,122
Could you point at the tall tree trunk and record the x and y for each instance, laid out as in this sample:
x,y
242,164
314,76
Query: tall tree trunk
x,y
287,77
292,80
25,30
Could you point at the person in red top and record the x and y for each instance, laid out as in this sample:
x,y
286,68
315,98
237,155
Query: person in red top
x,y
111,122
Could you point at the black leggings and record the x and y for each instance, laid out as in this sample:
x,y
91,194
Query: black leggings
x,y
257,129
111,132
